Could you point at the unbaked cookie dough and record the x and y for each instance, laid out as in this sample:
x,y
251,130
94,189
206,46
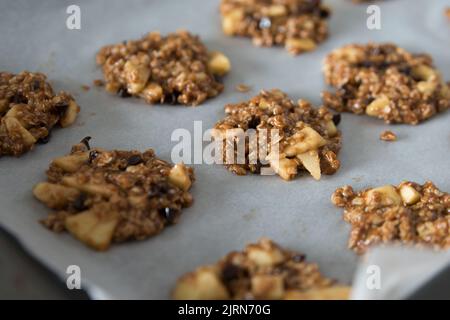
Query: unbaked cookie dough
x,y
175,69
298,25
29,109
386,82
308,137
263,270
409,213
103,196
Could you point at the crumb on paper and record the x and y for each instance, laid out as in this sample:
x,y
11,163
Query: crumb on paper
x,y
98,83
447,13
85,87
243,88
388,136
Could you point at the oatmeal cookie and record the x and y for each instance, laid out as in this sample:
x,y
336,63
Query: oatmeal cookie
x,y
306,138
104,196
263,270
29,110
298,25
409,213
176,69
385,81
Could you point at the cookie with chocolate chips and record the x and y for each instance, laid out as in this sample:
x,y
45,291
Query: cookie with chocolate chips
x,y
409,213
263,270
298,25
102,196
174,69
386,82
29,109
295,136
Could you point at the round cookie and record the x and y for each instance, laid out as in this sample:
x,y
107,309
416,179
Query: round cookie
x,y
29,109
112,196
299,137
175,69
386,82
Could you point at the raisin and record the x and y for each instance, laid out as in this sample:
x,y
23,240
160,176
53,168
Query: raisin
x,y
92,155
169,214
230,272
336,119
134,160
45,139
19,98
123,92
299,258
79,203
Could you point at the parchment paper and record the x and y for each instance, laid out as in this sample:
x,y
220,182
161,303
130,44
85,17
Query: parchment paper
x,y
229,211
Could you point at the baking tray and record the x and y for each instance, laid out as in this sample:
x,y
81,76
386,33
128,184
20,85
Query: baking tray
x,y
229,211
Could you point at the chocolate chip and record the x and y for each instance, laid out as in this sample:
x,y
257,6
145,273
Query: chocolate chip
x,y
230,272
61,108
45,139
299,258
85,141
169,214
92,155
253,123
158,190
78,204
123,92
134,160
36,85
19,98
324,13
337,119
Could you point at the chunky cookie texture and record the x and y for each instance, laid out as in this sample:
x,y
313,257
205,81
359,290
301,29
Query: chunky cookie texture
x,y
263,270
298,25
386,82
175,69
103,196
307,138
409,213
29,109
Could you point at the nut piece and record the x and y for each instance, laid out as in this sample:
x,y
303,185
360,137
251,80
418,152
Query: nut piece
x,y
267,287
377,107
285,168
310,160
90,188
203,284
296,46
331,128
264,257
93,230
152,93
385,196
13,126
230,21
55,196
218,63
70,115
136,73
179,176
305,140
73,162
423,72
409,195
